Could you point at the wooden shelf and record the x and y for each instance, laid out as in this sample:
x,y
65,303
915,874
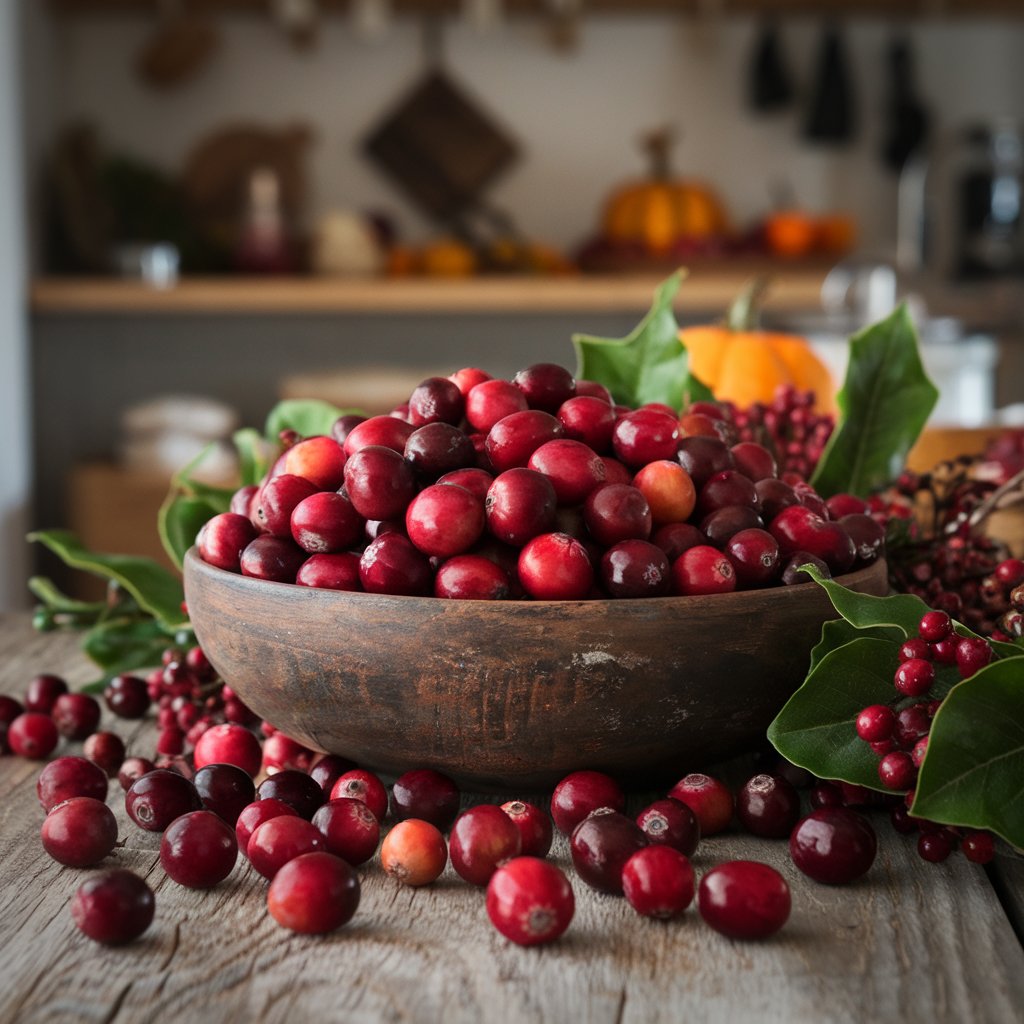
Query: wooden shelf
x,y
708,291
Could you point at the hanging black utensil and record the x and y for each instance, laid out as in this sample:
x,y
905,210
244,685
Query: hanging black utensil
x,y
769,87
906,118
832,117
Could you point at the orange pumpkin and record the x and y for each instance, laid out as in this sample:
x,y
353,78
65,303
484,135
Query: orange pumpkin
x,y
448,257
743,365
659,212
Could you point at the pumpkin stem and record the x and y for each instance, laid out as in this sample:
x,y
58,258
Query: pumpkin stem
x,y
658,145
745,311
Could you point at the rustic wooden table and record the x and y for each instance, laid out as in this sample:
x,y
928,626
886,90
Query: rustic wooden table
x,y
909,942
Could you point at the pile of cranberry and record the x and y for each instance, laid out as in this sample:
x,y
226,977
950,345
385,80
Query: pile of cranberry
x,y
537,487
313,820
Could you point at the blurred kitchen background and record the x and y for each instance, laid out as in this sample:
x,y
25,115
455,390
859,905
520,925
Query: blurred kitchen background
x,y
207,206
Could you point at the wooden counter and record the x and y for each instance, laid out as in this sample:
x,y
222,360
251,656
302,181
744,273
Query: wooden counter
x,y
909,942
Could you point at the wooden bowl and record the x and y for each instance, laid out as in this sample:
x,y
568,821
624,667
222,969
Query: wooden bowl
x,y
512,695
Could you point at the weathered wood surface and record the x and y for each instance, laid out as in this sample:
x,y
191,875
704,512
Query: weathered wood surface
x,y
910,942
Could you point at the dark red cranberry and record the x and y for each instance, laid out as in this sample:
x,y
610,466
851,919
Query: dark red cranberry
x,y
934,847
669,822
393,565
867,534
720,526
979,847
675,538
703,570
329,769
579,794
897,771
363,785
280,839
105,749
914,677
425,794
635,568
274,559
42,693
703,457
222,539
199,849
224,789
326,522
935,626
797,528
709,799
535,827
67,777
276,502
520,504
901,820
155,800
645,435
32,735
791,574
436,400
79,832
912,722
254,815
295,788
9,709
600,846
774,496
530,901
728,488
833,845
482,839
973,653
349,828
876,723
438,449
826,794
915,647
133,768
754,461
657,881
754,554
617,512
588,419
76,715
314,893
113,907
545,385
768,806
744,899
229,744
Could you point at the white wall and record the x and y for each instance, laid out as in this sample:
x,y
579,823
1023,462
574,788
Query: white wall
x,y
14,417
577,115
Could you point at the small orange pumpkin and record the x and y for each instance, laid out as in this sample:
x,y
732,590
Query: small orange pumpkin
x,y
660,211
743,365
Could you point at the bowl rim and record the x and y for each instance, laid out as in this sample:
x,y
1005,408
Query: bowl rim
x,y
743,599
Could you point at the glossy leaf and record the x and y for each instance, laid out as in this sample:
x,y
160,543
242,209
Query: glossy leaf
x,y
179,521
308,417
973,773
884,403
155,588
122,645
837,632
46,591
252,456
650,364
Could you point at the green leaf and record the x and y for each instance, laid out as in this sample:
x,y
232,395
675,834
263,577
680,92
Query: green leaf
x,y
837,632
57,601
179,521
306,416
156,589
884,403
252,457
650,364
816,727
973,772
121,645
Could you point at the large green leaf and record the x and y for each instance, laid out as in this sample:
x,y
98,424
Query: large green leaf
x,y
816,727
156,589
650,364
837,632
973,773
308,417
46,591
884,403
252,457
121,645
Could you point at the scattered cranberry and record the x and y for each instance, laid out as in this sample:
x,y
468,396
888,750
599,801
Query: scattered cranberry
x,y
43,691
530,901
482,839
709,799
79,832
979,847
897,770
657,881
535,827
934,847
114,907
295,788
359,784
349,828
229,744
580,793
833,845
67,777
973,653
744,899
768,806
426,794
9,709
155,800
875,723
224,789
76,715
669,822
198,850
254,815
314,893
600,846
281,839
328,770
133,768
127,696
33,735
935,626
107,750
914,677
414,852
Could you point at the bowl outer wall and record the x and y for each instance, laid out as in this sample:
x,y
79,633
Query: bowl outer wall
x,y
513,695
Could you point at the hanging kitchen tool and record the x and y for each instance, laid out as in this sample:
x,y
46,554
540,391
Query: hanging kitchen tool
x,y
769,87
832,115
906,118
438,146
181,46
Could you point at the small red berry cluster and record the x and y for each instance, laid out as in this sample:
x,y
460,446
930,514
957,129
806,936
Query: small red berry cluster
x,y
898,732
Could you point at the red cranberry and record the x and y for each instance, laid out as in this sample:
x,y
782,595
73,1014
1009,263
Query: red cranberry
x,y
223,538
979,847
329,769
545,385
754,461
520,505
276,502
482,839
944,650
914,677
79,832
435,400
320,460
867,534
573,468
768,806
579,794
425,794
645,435
703,570
9,709
491,401
555,567
349,829
754,554
314,893
833,845
797,528
912,722
709,799
726,489
32,735
876,723
668,822
224,789
42,693
294,788
339,571
744,899
915,647
326,522
897,771
675,538
273,559
105,749
379,482
414,852
513,439
438,449
198,850
600,846
791,574
280,839
281,752
76,715
530,901
477,481
393,565
471,578
594,390
67,777
588,419
657,881
934,847
254,815
635,568
617,512
133,768
113,907
365,786
229,744
444,520
703,457
935,626
973,653
155,800
535,827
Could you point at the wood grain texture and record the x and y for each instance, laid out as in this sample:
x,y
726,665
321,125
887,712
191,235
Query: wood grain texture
x,y
910,942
